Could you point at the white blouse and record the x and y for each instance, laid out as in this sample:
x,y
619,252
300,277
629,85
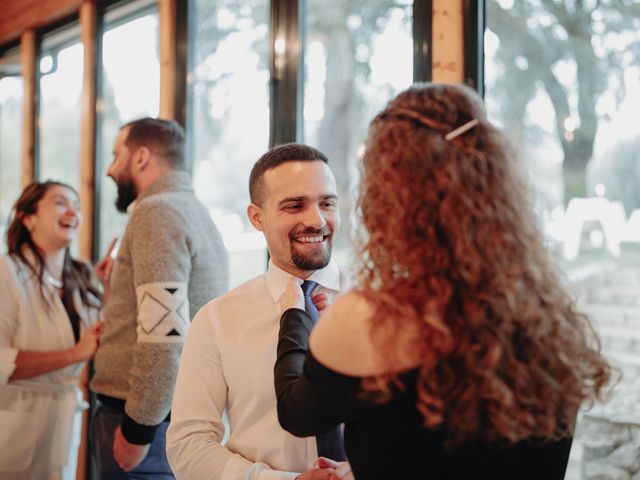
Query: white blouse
x,y
40,416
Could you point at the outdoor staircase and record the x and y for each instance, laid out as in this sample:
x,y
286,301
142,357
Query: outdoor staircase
x,y
607,441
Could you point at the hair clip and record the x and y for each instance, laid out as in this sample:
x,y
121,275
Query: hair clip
x,y
428,122
461,129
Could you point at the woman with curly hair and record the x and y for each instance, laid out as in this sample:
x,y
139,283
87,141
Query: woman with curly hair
x,y
461,354
49,309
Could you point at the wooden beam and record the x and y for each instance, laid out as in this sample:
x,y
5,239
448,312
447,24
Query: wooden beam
x,y
448,41
20,15
28,53
168,59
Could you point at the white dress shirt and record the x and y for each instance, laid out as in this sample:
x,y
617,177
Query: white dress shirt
x,y
227,367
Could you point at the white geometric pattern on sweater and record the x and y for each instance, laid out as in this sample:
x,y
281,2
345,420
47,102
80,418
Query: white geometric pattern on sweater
x,y
163,312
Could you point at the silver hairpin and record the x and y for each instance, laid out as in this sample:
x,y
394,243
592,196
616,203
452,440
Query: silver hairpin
x,y
461,129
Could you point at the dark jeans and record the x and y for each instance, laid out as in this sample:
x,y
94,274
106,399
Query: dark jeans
x,y
103,427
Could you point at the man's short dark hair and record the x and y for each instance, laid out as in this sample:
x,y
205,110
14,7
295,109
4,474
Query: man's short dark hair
x,y
165,138
289,152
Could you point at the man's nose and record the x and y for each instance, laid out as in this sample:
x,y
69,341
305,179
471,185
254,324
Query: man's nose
x,y
314,217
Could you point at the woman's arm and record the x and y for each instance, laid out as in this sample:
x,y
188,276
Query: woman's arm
x,y
30,364
310,400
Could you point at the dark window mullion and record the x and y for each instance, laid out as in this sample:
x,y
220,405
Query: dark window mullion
x,y
285,53
474,23
97,184
422,40
182,48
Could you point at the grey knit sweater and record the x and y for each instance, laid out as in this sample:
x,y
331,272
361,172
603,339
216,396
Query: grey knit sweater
x,y
170,263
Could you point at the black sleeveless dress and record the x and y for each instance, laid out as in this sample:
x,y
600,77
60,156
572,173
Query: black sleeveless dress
x,y
387,441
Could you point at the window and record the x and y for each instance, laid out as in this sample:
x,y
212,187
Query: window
x,y
358,56
58,133
228,119
11,94
563,78
130,89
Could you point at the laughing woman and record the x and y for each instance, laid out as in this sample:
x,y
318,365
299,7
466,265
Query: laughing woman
x,y
49,307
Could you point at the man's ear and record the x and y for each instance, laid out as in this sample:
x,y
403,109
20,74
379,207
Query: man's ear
x,y
254,212
141,158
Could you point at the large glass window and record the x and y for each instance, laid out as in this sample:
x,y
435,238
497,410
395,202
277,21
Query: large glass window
x,y
11,95
228,118
130,89
358,55
60,89
562,77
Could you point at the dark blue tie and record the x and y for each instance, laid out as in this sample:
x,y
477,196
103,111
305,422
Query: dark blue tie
x,y
330,444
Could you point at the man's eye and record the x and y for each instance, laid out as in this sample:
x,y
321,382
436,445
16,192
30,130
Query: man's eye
x,y
295,206
329,205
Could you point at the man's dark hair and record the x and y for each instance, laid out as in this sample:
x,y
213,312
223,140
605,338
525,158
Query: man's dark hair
x,y
289,152
165,139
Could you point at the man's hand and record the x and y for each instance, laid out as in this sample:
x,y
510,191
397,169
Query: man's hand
x,y
128,455
320,301
105,266
316,474
342,470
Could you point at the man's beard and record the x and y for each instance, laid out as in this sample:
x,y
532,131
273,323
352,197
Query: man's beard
x,y
312,261
126,194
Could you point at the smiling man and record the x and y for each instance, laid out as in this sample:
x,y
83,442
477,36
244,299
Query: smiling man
x,y
228,359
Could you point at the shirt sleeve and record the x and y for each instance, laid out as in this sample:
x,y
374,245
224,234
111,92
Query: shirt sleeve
x,y
8,322
311,399
161,262
196,430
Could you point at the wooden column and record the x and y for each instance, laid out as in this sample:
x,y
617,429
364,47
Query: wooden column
x,y
88,34
168,59
448,41
89,37
28,52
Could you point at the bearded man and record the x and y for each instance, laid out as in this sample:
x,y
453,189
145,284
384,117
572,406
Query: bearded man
x,y
171,261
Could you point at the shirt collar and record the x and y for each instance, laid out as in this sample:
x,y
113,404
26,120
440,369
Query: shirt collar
x,y
277,279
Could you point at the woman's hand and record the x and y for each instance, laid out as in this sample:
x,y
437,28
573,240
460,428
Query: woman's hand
x,y
292,296
88,343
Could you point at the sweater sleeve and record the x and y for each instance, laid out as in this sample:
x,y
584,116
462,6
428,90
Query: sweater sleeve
x,y
161,262
311,398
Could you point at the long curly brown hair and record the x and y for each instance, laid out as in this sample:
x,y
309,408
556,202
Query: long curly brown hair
x,y
451,250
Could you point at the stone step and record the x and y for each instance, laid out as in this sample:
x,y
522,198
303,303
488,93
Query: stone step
x,y
620,340
622,277
628,295
628,364
612,315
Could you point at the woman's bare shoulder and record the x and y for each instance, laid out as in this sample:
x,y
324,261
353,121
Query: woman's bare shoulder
x,y
341,340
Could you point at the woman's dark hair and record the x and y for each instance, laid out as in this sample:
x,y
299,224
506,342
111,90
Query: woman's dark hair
x,y
75,274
